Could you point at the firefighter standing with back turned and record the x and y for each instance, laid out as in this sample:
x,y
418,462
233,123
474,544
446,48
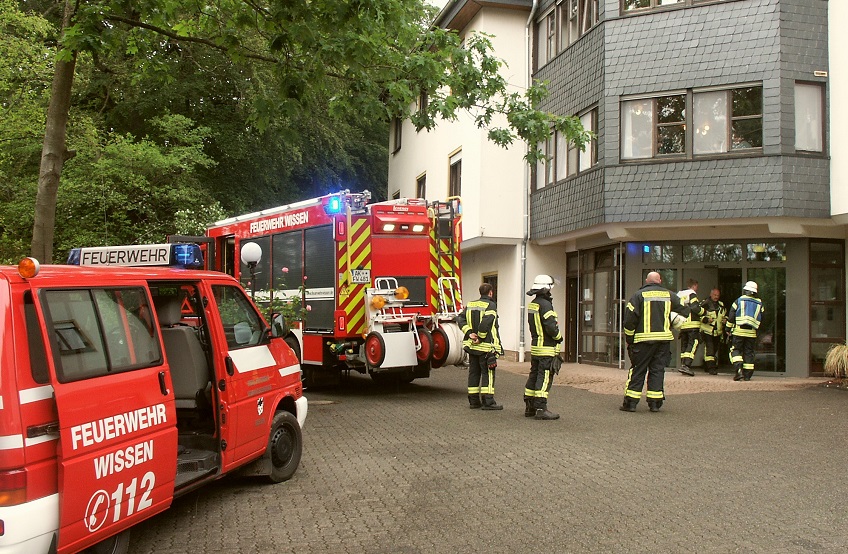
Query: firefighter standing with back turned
x,y
690,329
545,336
479,324
647,330
743,320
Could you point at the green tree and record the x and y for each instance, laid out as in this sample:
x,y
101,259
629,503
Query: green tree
x,y
303,65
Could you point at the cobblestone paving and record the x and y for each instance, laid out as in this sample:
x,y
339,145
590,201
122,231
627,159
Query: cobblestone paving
x,y
411,469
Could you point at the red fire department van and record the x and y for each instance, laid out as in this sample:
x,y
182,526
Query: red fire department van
x,y
122,388
380,282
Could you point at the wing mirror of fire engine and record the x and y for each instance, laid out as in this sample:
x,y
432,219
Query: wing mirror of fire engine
x,y
279,328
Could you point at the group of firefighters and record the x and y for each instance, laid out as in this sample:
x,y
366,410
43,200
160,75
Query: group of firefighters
x,y
648,322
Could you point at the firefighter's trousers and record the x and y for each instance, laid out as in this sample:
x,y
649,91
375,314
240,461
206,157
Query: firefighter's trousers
x,y
539,381
742,355
651,358
688,345
481,379
711,346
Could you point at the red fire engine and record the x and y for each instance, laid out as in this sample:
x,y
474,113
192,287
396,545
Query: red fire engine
x,y
126,387
379,282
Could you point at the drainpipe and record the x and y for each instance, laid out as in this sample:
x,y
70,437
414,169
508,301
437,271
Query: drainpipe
x,y
526,211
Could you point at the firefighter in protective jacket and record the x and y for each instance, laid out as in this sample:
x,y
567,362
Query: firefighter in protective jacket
x,y
712,329
691,327
479,325
544,359
647,331
743,321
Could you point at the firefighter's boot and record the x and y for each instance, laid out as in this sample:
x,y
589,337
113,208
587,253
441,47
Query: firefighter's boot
x,y
747,374
543,413
474,401
655,405
629,404
738,376
490,404
529,410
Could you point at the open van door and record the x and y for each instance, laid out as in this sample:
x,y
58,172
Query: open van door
x,y
117,419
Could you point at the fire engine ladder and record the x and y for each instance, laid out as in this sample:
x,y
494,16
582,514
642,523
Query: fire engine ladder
x,y
444,215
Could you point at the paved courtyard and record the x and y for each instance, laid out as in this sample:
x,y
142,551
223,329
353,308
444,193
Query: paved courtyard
x,y
724,467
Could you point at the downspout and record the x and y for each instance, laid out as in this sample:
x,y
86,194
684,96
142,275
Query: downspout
x,y
526,207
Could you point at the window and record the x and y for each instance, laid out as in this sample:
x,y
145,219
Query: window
x,y
809,117
423,102
546,39
397,134
421,186
638,5
492,279
242,325
455,185
565,159
101,331
560,27
723,121
396,195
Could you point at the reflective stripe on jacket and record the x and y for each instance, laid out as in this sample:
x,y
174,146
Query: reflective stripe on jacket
x,y
544,328
689,298
481,317
745,316
647,314
712,320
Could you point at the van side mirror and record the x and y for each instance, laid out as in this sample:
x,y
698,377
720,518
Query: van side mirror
x,y
279,328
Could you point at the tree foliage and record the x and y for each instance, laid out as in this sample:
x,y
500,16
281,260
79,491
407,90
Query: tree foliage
x,y
179,108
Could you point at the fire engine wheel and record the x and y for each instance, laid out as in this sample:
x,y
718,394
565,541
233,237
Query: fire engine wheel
x,y
426,351
285,446
375,349
118,544
440,347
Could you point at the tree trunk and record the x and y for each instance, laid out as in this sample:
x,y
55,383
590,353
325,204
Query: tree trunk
x,y
53,153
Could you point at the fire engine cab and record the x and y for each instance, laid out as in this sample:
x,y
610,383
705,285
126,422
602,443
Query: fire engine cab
x,y
378,283
124,387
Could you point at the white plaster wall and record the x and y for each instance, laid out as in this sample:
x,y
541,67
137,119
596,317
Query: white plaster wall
x,y
503,261
838,83
492,177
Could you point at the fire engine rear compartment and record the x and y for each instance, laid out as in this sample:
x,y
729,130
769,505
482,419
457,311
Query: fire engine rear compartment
x,y
188,354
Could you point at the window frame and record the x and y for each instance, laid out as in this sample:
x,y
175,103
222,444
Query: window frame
x,y
689,124
455,174
822,116
561,36
397,134
421,186
551,147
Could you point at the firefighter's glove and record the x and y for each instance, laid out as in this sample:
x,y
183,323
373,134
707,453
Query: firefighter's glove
x,y
556,364
492,360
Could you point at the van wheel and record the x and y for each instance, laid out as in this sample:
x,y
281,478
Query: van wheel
x,y
285,446
117,544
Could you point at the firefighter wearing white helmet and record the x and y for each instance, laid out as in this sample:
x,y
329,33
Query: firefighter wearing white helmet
x,y
545,338
743,321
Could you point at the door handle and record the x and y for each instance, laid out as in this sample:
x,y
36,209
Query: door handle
x,y
162,385
231,368
40,430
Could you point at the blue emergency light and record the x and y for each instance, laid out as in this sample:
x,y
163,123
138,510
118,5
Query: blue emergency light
x,y
186,256
646,249
334,205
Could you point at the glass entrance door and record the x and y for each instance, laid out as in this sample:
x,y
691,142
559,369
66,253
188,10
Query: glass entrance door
x,y
771,337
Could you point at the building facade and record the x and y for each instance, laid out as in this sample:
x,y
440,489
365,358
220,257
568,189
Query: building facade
x,y
457,159
715,132
713,164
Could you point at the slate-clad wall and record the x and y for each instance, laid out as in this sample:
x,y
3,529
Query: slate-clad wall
x,y
773,42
